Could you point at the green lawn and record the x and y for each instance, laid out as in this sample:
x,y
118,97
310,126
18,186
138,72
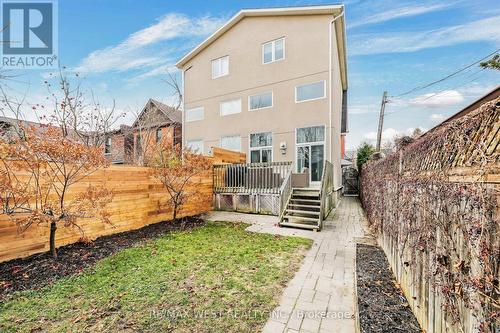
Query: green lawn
x,y
195,281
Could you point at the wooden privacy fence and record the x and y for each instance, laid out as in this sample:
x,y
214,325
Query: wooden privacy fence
x,y
139,200
435,206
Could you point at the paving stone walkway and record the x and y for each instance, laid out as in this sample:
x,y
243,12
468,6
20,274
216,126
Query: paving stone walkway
x,y
321,297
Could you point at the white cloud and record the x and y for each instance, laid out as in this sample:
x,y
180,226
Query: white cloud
x,y
438,99
156,71
137,51
487,29
437,117
392,14
389,134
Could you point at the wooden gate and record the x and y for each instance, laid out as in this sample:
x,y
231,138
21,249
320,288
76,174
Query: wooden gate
x,y
350,181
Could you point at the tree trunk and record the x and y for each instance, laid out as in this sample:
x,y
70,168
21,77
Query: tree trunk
x,y
53,250
175,212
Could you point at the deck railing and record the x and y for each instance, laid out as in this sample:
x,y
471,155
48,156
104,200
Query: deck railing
x,y
250,178
285,193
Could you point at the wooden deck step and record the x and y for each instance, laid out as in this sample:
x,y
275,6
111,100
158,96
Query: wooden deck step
x,y
313,219
299,225
306,200
302,212
304,206
315,195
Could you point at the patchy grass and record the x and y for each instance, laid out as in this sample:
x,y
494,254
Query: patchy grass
x,y
211,279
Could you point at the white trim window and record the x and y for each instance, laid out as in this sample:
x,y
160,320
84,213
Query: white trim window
x,y
230,107
196,146
220,67
261,147
273,51
231,142
310,91
195,114
260,101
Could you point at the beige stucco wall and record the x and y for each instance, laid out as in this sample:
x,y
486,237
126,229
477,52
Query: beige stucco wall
x,y
306,61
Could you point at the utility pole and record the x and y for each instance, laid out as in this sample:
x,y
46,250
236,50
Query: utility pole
x,y
381,120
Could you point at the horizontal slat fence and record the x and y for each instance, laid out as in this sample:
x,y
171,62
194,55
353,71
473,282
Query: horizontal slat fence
x,y
139,200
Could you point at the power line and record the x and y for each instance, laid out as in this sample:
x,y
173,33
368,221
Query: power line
x,y
446,77
461,84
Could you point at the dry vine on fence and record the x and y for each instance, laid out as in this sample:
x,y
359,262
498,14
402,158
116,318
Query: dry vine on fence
x,y
435,201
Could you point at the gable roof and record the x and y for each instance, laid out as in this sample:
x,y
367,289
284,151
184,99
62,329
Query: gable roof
x,y
171,114
333,10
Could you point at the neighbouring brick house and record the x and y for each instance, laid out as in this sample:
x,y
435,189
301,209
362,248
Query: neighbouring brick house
x,y
127,144
119,145
157,121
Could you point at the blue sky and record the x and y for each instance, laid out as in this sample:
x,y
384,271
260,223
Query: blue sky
x,y
123,49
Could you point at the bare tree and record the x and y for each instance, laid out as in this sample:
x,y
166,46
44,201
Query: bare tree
x,y
172,81
88,121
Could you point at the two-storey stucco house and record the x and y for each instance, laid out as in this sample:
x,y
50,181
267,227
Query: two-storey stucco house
x,y
271,83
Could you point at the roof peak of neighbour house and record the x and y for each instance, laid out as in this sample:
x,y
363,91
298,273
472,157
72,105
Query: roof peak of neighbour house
x,y
282,11
170,112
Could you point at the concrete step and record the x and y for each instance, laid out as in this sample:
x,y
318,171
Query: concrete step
x,y
302,212
303,218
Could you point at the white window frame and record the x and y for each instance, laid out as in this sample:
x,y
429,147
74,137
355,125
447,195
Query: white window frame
x,y
273,51
265,107
193,109
250,148
219,60
230,136
227,101
202,150
312,99
312,143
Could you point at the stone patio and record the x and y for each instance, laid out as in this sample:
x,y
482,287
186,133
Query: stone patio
x,y
322,295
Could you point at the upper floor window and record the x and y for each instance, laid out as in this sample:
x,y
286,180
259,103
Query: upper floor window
x,y
158,135
231,143
107,146
230,107
196,146
261,101
195,114
310,91
220,67
273,51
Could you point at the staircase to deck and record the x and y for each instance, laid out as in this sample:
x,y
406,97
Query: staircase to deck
x,y
303,209
306,208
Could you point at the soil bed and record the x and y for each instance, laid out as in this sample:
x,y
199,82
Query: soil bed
x,y
39,270
382,305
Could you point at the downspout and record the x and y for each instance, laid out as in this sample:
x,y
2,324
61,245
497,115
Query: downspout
x,y
330,34
183,110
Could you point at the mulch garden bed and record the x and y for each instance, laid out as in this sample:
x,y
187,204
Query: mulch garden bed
x,y
39,270
382,305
